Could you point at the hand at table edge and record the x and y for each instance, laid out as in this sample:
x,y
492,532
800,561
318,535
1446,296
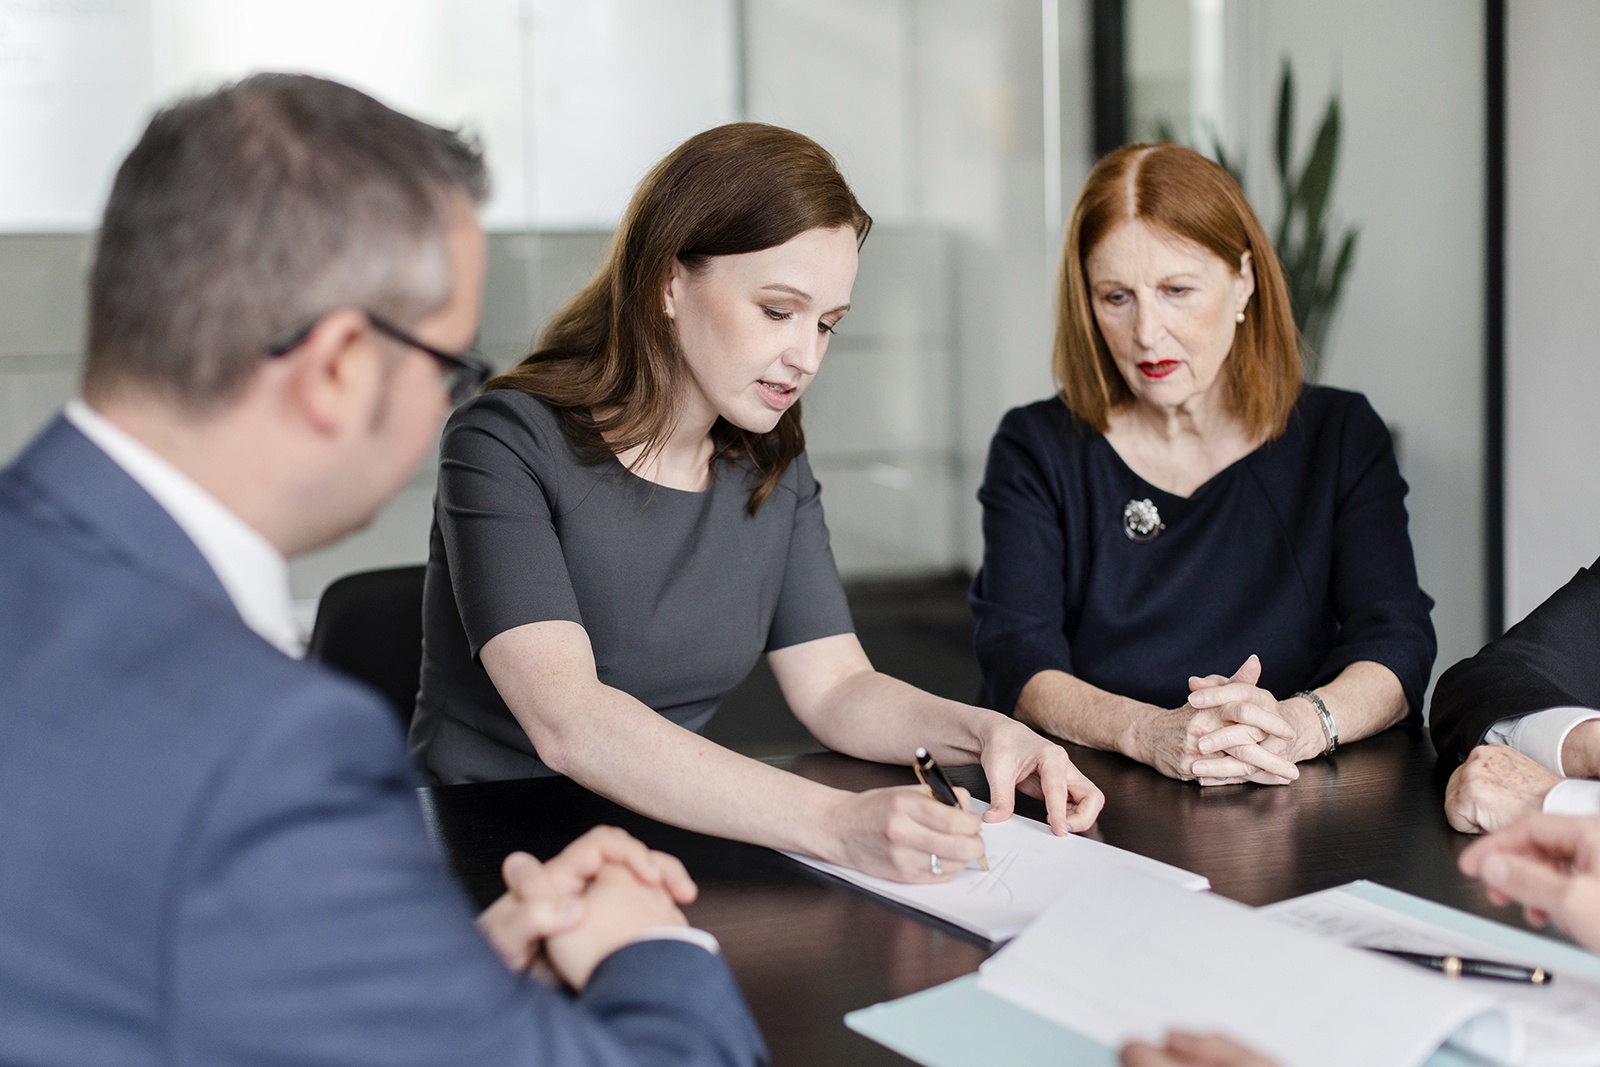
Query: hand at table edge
x,y
1191,1050
1549,864
1494,787
1015,757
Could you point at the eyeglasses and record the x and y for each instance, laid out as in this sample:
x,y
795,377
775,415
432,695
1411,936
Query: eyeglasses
x,y
464,374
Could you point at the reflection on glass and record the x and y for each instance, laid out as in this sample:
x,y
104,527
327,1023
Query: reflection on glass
x,y
1158,68
936,110
1175,70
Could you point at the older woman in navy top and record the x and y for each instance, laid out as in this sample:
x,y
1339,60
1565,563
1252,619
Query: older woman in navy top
x,y
1190,557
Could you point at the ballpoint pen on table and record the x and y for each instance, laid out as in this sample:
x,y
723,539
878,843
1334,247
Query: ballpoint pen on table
x,y
932,776
1467,967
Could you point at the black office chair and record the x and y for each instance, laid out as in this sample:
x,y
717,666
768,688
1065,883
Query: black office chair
x,y
369,625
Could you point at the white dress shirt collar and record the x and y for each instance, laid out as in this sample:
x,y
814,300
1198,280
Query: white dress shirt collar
x,y
253,572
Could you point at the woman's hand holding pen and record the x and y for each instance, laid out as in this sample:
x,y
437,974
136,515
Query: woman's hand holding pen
x,y
894,833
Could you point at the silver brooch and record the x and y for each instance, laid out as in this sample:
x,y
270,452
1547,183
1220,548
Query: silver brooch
x,y
1141,521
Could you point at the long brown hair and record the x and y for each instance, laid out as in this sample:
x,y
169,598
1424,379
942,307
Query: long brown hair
x,y
1178,190
609,359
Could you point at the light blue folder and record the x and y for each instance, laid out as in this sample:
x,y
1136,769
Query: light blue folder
x,y
959,1025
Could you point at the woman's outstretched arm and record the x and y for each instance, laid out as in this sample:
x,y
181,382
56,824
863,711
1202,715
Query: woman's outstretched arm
x,y
832,688
615,745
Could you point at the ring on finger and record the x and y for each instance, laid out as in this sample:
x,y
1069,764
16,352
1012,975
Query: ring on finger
x,y
933,864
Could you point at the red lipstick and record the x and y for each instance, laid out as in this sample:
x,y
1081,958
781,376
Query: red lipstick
x,y
1158,368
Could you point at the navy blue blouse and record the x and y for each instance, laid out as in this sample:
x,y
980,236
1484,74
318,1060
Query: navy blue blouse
x,y
1298,553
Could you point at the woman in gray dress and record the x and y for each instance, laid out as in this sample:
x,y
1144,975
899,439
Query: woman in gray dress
x,y
626,522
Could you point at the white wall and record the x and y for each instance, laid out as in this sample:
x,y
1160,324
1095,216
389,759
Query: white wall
x,y
1410,333
1552,229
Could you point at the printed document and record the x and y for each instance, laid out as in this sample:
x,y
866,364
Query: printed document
x,y
1029,867
1122,956
1560,1021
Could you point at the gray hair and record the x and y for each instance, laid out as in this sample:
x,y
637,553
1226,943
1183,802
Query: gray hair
x,y
245,213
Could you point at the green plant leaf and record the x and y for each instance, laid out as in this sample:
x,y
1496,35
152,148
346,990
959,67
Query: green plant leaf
x,y
1310,360
1285,144
1341,267
1330,285
1316,180
1234,167
1285,126
1303,290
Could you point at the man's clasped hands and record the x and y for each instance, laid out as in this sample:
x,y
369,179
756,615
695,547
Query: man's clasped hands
x,y
563,917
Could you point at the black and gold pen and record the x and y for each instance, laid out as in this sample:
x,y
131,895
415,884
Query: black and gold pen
x,y
1467,967
932,776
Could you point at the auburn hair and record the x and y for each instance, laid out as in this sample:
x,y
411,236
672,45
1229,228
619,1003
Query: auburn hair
x,y
608,359
1176,189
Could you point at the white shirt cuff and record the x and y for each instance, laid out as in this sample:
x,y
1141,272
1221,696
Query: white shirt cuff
x,y
1540,735
680,933
1573,796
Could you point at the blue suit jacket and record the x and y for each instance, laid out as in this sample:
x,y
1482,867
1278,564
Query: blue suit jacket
x,y
212,854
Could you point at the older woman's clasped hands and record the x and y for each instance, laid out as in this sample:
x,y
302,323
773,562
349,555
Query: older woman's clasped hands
x,y
1229,731
1241,732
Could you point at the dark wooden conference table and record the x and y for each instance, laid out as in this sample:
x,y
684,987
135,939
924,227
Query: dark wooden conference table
x,y
808,948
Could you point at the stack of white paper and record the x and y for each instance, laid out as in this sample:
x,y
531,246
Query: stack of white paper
x,y
1029,868
1560,1022
1123,956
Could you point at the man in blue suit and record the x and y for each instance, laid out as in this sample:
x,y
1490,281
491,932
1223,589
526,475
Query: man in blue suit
x,y
210,851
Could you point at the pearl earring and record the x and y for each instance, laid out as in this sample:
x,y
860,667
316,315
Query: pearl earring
x,y
1239,315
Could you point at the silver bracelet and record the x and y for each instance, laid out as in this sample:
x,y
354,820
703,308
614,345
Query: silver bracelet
x,y
1328,726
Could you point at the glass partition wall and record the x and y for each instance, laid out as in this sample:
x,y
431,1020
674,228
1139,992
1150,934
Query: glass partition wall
x,y
958,122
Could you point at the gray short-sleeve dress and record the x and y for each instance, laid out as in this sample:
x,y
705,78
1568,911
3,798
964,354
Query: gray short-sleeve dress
x,y
680,593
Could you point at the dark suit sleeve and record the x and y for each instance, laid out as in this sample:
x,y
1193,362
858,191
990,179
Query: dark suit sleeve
x,y
1384,616
1019,596
1551,659
312,922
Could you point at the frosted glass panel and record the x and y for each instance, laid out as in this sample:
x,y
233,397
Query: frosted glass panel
x,y
616,85
389,47
935,109
838,70
74,81
573,101
453,64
